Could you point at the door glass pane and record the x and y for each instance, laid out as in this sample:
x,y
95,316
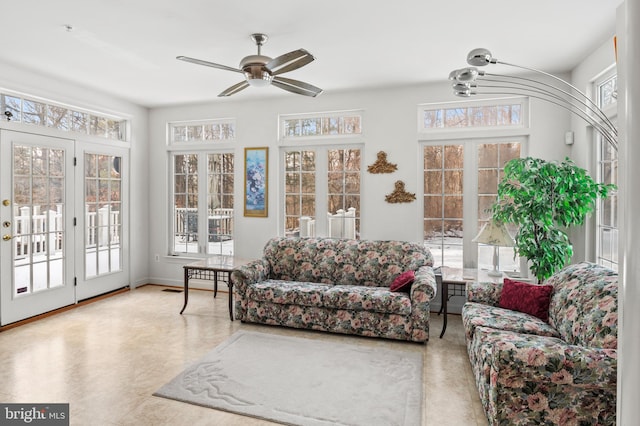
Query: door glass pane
x,y
185,206
220,203
103,230
343,188
443,203
491,160
300,197
38,245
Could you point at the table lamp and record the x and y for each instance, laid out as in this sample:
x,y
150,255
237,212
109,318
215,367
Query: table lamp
x,y
494,234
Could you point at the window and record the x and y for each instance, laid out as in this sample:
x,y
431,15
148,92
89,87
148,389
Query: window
x,y
300,193
322,125
460,186
210,204
607,172
461,172
103,204
206,131
491,159
443,203
322,180
37,113
608,92
473,115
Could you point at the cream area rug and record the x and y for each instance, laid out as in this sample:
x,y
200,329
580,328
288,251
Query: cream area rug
x,y
301,381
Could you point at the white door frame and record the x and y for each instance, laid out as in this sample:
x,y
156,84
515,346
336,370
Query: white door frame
x,y
110,281
13,306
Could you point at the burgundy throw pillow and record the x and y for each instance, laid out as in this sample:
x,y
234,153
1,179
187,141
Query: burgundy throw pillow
x,y
403,281
532,299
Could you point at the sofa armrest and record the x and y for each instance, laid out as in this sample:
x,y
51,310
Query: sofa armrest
x,y
544,379
424,286
253,272
486,293
423,290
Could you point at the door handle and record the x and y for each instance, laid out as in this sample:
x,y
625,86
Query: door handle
x,y
6,237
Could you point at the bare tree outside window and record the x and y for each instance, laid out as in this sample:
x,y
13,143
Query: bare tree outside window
x,y
472,116
444,202
27,111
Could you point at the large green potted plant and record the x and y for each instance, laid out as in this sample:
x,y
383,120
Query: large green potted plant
x,y
544,198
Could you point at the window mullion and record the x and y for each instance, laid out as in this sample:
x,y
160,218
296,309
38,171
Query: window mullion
x,y
322,192
203,214
470,208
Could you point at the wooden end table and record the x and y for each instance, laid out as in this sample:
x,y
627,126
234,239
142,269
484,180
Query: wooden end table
x,y
458,278
209,269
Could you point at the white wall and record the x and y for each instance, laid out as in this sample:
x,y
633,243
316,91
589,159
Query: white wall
x,y
389,124
35,84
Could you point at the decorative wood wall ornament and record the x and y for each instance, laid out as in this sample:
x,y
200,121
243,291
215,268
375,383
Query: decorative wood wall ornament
x,y
399,195
381,165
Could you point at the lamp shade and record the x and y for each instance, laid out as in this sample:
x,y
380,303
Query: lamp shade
x,y
495,234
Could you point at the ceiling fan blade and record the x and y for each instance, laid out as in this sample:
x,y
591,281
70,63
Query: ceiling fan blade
x,y
207,63
234,89
289,61
295,86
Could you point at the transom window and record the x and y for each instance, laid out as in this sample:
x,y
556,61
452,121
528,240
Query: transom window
x,y
473,114
321,125
203,131
69,119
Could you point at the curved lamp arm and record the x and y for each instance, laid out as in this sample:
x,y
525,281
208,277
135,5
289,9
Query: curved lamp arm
x,y
466,79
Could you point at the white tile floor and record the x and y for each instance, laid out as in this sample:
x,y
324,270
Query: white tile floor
x,y
107,358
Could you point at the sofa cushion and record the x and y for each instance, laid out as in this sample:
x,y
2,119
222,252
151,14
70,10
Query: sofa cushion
x,y
292,259
532,299
481,315
343,261
288,292
365,298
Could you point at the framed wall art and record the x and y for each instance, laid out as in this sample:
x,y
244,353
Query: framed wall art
x,y
256,185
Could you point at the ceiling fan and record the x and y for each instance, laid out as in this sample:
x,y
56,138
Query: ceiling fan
x,y
260,70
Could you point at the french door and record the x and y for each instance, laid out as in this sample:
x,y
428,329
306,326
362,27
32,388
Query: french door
x,y
102,220
64,222
37,215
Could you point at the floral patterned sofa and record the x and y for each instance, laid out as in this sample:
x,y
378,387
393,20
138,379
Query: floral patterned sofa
x,y
338,285
563,371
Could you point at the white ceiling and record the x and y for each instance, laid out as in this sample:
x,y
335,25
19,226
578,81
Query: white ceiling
x,y
128,47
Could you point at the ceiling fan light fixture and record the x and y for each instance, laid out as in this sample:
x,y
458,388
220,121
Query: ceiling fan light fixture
x,y
257,76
